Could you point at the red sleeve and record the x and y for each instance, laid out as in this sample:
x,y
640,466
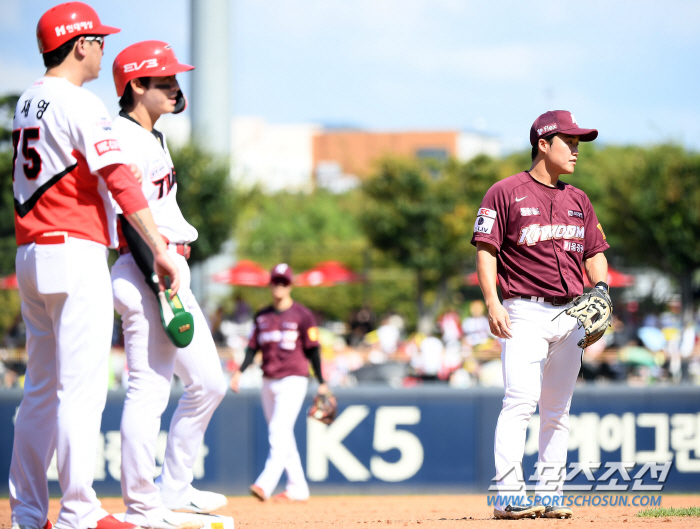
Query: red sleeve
x,y
492,218
124,188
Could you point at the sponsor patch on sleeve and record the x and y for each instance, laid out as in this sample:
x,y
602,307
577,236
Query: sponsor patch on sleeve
x,y
105,146
602,232
313,334
484,220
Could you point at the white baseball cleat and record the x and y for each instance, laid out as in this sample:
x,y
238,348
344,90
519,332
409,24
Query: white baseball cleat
x,y
516,513
167,519
47,525
557,512
200,501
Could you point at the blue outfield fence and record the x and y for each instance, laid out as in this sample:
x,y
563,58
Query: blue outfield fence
x,y
434,439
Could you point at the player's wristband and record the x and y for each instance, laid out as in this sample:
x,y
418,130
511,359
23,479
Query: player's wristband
x,y
602,284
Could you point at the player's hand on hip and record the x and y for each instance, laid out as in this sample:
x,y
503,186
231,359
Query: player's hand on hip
x,y
235,382
499,321
164,266
136,172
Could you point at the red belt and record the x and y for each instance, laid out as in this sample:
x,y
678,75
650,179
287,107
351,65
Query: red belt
x,y
183,249
554,300
56,237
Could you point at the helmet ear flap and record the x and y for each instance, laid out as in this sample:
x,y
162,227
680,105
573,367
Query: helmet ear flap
x,y
180,102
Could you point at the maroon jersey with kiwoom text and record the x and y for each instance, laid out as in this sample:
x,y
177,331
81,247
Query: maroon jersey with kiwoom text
x,y
282,338
541,241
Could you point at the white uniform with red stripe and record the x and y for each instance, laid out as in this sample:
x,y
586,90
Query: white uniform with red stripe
x,y
152,358
62,135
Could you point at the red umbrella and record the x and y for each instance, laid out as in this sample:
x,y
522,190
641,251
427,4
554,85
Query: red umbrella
x,y
8,282
326,274
471,279
616,278
246,273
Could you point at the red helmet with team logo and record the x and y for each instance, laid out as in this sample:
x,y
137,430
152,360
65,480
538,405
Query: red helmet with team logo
x,y
150,58
65,21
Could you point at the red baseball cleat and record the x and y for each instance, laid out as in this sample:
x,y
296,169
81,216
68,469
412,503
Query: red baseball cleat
x,y
110,522
257,492
283,497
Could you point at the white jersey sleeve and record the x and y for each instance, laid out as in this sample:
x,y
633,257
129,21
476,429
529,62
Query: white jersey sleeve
x,y
159,184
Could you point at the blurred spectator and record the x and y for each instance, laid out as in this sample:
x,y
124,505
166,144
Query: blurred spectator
x,y
388,334
428,363
450,327
361,323
242,312
476,326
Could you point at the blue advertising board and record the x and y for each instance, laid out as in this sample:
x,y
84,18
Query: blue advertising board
x,y
433,439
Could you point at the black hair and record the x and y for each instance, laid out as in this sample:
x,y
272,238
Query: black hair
x,y
126,102
536,148
56,57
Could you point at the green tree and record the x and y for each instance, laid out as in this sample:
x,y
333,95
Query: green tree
x,y
9,300
421,216
652,198
207,198
304,229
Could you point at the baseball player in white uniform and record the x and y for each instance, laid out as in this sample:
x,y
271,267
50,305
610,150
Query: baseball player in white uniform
x,y
152,358
66,159
533,234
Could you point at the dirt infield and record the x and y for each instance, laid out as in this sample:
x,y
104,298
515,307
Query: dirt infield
x,y
428,512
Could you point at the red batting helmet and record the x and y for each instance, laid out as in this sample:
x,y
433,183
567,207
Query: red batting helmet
x,y
150,58
63,22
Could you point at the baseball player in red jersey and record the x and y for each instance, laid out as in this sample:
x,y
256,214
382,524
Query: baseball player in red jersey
x,y
65,161
533,234
151,356
287,335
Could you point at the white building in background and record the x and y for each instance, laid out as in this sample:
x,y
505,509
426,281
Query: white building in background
x,y
274,156
301,156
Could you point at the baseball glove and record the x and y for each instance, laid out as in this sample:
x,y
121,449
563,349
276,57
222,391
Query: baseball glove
x,y
324,408
593,310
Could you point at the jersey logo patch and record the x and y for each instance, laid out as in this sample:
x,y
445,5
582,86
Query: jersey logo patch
x,y
575,214
313,334
484,212
535,233
106,146
601,231
484,220
529,212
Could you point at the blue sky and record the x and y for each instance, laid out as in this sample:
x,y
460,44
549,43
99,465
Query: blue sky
x,y
628,68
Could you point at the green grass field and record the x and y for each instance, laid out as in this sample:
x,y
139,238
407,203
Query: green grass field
x,y
660,512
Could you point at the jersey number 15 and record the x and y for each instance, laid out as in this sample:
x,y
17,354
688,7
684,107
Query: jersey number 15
x,y
31,170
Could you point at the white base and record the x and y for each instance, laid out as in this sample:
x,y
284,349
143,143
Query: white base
x,y
211,521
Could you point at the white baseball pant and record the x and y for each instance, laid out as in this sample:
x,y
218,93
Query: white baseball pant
x,y
152,359
69,333
540,365
282,400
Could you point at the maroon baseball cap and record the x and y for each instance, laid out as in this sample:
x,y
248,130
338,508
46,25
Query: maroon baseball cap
x,y
281,271
559,122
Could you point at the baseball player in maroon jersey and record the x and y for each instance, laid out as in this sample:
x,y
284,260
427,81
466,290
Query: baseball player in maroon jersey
x,y
533,235
287,335
65,161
